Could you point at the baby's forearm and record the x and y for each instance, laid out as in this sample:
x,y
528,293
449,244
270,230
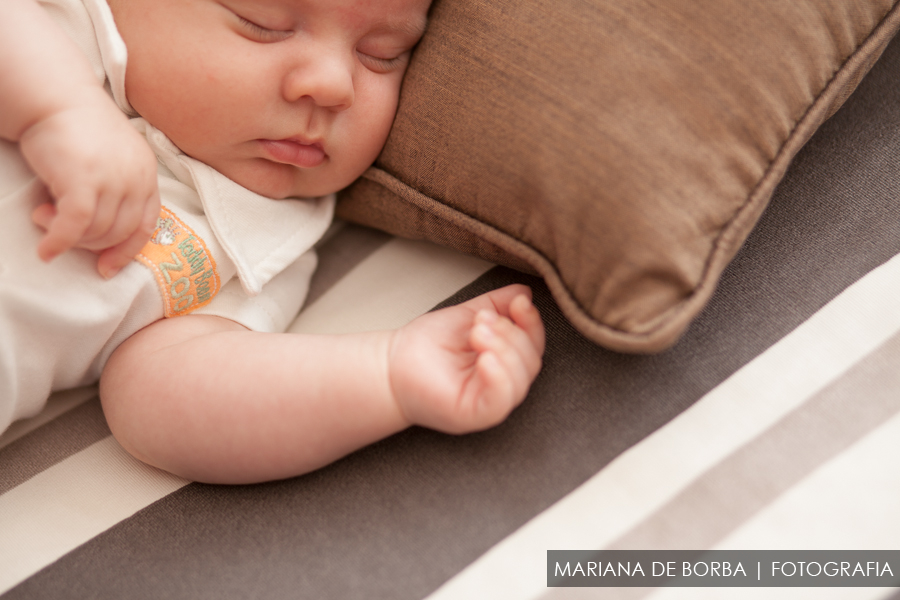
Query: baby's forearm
x,y
42,71
208,400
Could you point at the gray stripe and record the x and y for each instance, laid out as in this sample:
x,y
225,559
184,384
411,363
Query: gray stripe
x,y
341,253
44,447
399,518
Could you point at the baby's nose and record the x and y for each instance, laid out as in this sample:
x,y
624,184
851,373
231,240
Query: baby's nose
x,y
325,77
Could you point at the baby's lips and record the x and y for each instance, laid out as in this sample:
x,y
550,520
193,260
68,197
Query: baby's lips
x,y
297,153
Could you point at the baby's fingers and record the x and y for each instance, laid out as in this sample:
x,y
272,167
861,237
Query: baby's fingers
x,y
497,395
74,214
43,215
113,259
516,344
512,348
526,316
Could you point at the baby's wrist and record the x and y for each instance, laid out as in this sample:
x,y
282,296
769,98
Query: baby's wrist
x,y
392,368
88,97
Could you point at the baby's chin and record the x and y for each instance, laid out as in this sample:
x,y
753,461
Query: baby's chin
x,y
279,181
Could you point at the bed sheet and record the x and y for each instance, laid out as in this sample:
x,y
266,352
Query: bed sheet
x,y
774,423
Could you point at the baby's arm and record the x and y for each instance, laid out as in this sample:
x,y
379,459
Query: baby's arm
x,y
206,399
97,168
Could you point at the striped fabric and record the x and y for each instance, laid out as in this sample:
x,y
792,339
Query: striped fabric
x,y
774,424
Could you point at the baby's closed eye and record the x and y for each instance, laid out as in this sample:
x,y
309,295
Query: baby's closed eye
x,y
262,34
378,64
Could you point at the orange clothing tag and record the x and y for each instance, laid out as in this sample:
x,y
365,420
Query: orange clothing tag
x,y
185,270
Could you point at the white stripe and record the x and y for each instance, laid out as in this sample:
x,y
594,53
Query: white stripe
x,y
71,502
645,477
395,284
848,503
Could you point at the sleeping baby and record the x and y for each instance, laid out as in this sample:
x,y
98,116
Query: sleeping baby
x,y
159,222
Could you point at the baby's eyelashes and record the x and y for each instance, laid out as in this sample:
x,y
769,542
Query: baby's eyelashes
x,y
264,35
383,65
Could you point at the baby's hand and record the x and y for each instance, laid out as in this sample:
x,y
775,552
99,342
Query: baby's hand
x,y
101,174
465,368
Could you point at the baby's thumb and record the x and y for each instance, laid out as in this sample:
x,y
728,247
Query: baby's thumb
x,y
43,215
112,260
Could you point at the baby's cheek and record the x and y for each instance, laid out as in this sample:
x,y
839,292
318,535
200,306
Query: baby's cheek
x,y
377,103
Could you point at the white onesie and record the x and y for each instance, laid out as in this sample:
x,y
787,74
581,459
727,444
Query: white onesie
x,y
219,249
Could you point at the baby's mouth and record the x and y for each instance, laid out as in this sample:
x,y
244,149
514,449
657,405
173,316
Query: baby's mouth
x,y
292,151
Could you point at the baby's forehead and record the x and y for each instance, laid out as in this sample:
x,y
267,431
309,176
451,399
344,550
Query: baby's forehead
x,y
404,17
407,18
383,7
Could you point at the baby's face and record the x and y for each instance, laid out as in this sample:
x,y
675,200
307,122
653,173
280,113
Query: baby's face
x,y
285,97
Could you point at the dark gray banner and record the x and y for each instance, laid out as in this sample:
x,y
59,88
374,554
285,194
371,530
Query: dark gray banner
x,y
723,568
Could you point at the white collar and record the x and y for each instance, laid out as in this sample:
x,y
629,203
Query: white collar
x,y
262,236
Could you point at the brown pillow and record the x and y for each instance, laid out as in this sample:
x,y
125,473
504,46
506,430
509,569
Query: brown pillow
x,y
622,149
